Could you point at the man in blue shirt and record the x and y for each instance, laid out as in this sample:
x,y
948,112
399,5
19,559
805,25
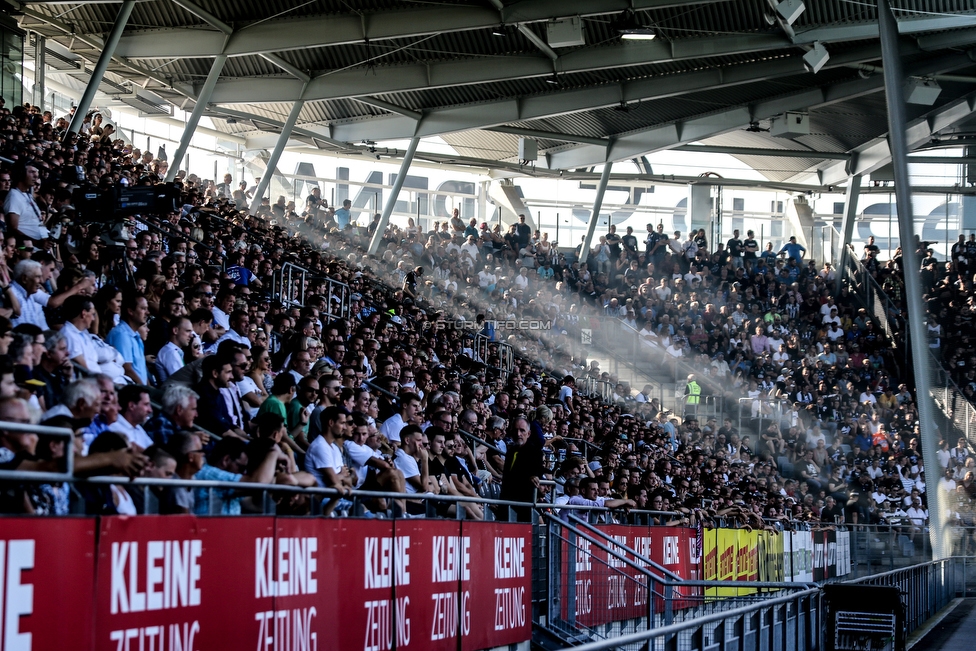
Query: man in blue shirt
x,y
793,250
125,337
343,216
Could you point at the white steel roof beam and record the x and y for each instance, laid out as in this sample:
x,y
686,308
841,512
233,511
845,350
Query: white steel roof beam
x,y
490,114
321,31
668,136
869,157
411,77
316,31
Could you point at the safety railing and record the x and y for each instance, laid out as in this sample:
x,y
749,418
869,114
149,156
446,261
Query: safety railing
x,y
641,363
759,413
289,285
590,387
215,493
586,591
926,588
57,432
495,354
790,622
338,296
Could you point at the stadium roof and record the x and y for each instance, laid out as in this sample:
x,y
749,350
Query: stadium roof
x,y
482,73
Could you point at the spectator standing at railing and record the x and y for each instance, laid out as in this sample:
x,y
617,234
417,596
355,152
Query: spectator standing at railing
x,y
523,468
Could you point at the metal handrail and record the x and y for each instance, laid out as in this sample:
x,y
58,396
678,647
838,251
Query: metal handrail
x,y
40,477
69,453
670,630
469,435
632,552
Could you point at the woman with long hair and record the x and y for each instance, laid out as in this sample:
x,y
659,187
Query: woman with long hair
x,y
108,308
260,372
252,387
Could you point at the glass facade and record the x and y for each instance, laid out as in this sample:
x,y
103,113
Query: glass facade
x,y
11,62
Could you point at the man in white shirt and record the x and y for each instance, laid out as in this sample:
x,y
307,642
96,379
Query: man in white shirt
x,y
411,460
917,514
324,457
469,252
364,459
409,408
169,359
134,410
26,283
23,214
588,496
239,322
79,314
225,304
486,278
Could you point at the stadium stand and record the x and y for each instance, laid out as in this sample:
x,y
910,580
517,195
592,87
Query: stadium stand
x,y
196,341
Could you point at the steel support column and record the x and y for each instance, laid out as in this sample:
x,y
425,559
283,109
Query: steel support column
x,y
601,189
191,125
286,130
898,142
108,49
847,227
40,61
374,244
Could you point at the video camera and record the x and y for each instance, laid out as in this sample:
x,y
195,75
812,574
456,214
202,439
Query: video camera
x,y
104,205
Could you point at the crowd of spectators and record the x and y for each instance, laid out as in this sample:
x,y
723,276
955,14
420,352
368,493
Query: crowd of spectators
x,y
379,388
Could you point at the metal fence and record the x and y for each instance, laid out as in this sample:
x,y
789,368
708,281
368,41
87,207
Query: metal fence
x,y
789,622
796,621
292,284
926,588
495,354
756,414
584,596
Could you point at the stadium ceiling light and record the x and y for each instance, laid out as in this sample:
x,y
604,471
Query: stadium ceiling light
x,y
630,29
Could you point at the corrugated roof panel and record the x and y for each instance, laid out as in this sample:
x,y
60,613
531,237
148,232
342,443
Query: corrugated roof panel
x,y
98,18
709,18
605,122
333,110
457,95
194,70
493,145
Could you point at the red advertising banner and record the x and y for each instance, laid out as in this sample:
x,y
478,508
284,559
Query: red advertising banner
x,y
46,570
168,583
497,600
181,582
602,588
296,569
426,589
584,574
625,585
366,558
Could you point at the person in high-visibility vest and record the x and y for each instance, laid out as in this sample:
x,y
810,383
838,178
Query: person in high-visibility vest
x,y
692,392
